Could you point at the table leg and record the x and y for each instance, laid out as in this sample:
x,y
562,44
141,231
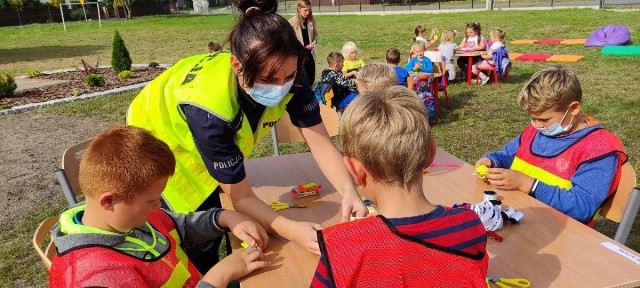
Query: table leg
x,y
434,92
469,64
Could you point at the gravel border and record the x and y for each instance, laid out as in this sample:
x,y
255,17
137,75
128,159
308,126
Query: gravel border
x,y
33,106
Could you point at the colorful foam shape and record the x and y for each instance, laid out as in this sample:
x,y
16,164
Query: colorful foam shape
x,y
533,57
615,34
523,41
573,41
564,58
548,41
621,50
514,55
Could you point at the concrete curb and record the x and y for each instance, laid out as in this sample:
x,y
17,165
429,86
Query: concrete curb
x,y
33,106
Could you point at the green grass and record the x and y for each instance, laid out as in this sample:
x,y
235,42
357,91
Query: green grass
x,y
481,118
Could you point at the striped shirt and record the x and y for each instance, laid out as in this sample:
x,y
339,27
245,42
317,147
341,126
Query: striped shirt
x,y
454,228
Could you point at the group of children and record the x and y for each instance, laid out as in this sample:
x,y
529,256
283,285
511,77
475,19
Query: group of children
x,y
562,158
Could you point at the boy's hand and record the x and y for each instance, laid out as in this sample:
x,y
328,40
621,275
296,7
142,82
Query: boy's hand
x,y
484,160
418,66
234,266
352,205
245,228
507,179
304,233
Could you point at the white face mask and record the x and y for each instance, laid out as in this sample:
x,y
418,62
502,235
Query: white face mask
x,y
269,95
555,129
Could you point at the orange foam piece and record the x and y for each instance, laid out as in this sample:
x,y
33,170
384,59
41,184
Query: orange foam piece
x,y
574,41
513,56
565,58
523,41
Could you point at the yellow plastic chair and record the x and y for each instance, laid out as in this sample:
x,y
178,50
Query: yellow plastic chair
x,y
69,169
42,233
623,207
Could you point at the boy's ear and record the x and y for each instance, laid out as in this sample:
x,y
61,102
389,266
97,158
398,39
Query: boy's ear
x,y
575,108
432,152
107,200
356,169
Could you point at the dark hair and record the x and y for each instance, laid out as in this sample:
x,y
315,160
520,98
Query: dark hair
x,y
475,26
334,57
213,47
393,56
260,35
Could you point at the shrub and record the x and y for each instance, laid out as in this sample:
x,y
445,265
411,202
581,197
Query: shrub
x,y
126,74
5,106
33,73
77,14
94,80
76,91
7,85
120,59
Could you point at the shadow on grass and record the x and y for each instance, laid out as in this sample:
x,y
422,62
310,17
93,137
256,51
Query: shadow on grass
x,y
519,78
27,54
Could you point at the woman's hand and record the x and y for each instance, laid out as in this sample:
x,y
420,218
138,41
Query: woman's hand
x,y
245,228
507,179
304,233
234,266
352,205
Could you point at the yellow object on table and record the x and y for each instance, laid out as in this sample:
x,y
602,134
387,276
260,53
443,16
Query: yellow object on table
x,y
279,205
482,171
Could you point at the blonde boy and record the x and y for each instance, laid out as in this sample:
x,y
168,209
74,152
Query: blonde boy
x,y
564,158
376,76
120,238
419,63
387,143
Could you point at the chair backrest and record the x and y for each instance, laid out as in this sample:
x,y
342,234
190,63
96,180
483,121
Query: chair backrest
x,y
39,237
69,170
434,56
614,208
288,133
438,66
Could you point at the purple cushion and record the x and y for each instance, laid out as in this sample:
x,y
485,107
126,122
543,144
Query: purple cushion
x,y
614,34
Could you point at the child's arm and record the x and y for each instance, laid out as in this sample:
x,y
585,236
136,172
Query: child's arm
x,y
481,45
502,158
203,226
591,184
412,63
343,81
426,66
234,266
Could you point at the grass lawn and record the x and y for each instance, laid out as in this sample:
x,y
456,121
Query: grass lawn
x,y
481,118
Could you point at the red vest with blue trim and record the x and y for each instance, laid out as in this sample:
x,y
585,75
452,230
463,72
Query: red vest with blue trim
x,y
107,267
371,253
597,143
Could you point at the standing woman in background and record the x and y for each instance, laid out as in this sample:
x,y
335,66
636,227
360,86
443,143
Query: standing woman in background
x,y
305,27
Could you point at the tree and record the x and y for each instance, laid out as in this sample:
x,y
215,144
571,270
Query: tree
x,y
120,59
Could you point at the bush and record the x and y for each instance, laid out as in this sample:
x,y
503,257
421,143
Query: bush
x,y
94,80
120,59
33,73
126,74
7,85
77,14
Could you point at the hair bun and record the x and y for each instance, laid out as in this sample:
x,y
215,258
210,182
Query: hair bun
x,y
256,7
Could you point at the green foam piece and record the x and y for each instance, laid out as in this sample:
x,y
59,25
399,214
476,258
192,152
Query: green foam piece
x,y
621,50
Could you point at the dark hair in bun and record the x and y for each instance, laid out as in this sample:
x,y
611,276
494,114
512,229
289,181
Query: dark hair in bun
x,y
259,36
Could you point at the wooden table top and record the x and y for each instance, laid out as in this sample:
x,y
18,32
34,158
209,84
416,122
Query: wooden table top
x,y
546,247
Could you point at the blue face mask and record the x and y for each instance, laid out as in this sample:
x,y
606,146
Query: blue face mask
x,y
555,129
269,95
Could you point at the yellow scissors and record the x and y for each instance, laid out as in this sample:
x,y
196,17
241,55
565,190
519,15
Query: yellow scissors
x,y
279,205
509,282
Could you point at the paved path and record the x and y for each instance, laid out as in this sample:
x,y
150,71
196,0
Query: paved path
x,y
25,83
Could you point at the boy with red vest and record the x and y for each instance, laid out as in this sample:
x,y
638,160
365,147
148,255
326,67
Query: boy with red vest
x,y
411,242
120,238
564,158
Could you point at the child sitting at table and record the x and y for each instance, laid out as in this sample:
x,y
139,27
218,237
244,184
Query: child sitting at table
x,y
420,30
344,90
351,64
448,49
411,243
393,59
472,42
376,76
496,57
120,237
418,62
564,158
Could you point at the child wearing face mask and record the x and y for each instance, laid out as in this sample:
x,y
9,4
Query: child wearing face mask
x,y
564,158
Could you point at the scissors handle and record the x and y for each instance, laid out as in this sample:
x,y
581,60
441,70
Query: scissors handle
x,y
518,282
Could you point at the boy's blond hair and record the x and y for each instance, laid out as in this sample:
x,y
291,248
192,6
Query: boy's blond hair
x,y
124,160
377,76
418,44
388,131
498,32
554,87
